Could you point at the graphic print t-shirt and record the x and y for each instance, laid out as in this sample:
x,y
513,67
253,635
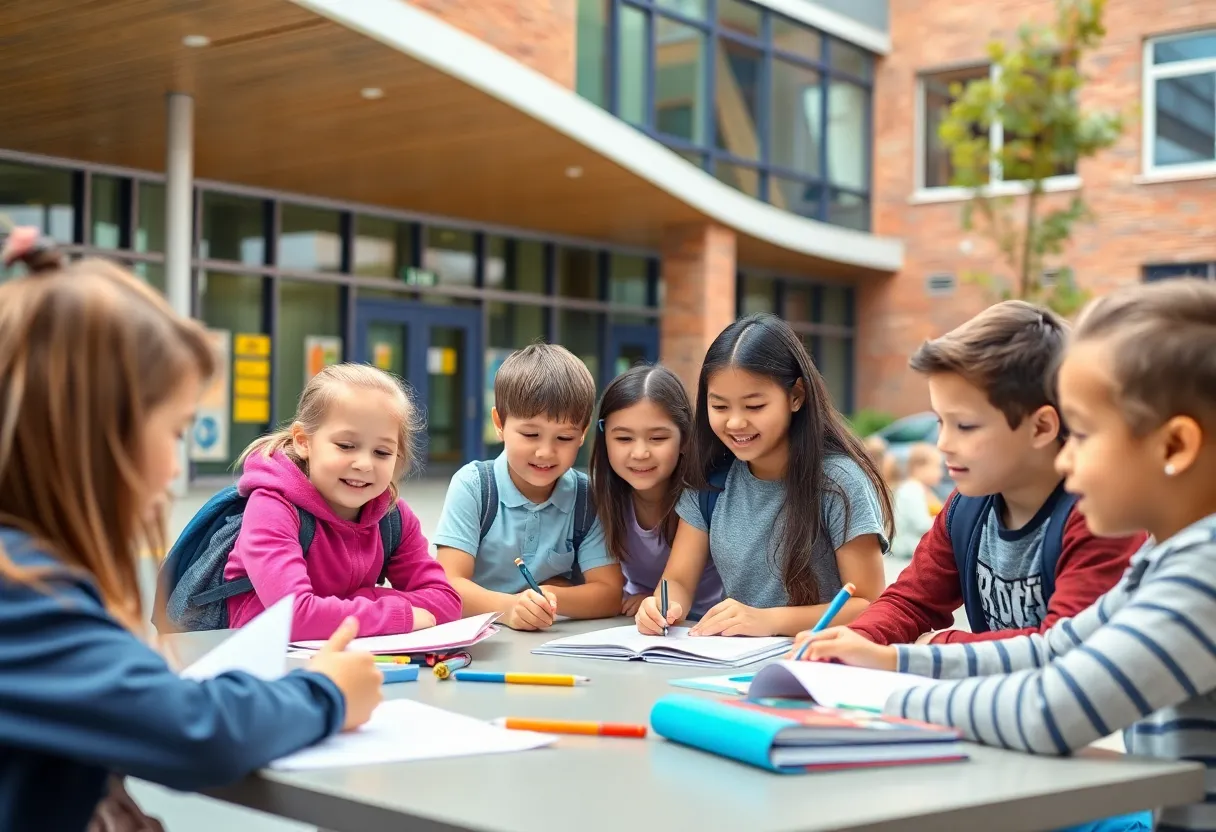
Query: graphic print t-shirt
x,y
1009,566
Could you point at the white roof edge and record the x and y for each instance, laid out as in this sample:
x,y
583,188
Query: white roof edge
x,y
834,23
436,43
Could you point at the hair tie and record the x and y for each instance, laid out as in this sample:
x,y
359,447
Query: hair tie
x,y
27,244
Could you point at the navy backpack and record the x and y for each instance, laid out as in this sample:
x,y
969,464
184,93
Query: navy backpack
x,y
191,588
963,519
707,499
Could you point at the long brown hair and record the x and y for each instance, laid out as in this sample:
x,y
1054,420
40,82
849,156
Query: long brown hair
x,y
609,491
319,394
87,351
764,345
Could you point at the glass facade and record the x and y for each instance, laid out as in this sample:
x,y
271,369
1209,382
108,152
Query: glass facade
x,y
287,285
822,315
766,104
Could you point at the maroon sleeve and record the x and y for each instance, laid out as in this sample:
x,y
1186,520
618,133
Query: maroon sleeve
x,y
923,597
1088,568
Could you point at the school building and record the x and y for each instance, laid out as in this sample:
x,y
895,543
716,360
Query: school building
x,y
429,185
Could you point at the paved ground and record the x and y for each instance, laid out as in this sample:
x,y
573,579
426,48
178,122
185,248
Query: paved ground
x,y
182,813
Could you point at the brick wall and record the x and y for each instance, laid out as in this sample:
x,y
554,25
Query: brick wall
x,y
699,287
538,33
1137,223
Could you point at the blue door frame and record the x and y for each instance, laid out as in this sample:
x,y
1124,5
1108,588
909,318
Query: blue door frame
x,y
621,336
418,318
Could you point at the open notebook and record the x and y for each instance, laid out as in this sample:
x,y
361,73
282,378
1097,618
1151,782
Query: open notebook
x,y
450,636
626,643
832,685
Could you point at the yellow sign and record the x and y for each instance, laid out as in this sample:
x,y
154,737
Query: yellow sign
x,y
251,410
252,388
251,378
252,345
382,356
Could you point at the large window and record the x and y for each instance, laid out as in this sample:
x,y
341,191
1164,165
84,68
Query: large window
x,y
765,104
1207,271
1180,104
936,95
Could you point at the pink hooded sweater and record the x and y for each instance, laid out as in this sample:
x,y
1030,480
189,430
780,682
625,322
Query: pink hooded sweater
x,y
338,578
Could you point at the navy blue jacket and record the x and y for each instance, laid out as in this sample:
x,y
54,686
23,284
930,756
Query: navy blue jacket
x,y
80,696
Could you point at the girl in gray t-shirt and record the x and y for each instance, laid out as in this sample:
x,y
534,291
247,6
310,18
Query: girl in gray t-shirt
x,y
783,500
637,473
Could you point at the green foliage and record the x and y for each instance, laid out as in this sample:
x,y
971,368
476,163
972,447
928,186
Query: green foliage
x,y
866,422
1034,95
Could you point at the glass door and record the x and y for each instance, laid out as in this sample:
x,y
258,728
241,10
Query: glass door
x,y
631,344
436,349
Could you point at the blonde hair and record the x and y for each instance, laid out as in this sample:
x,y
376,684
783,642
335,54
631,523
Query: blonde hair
x,y
87,351
544,380
920,455
315,402
1163,336
886,463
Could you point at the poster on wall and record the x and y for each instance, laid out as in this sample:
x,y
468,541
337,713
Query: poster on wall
x,y
382,356
209,436
494,359
320,351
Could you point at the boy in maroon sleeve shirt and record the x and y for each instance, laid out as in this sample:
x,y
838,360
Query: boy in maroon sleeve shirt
x,y
991,385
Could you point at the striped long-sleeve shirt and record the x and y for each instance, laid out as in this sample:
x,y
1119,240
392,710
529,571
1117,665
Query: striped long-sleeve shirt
x,y
1143,657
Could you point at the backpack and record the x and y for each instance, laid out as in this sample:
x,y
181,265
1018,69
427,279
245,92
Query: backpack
x,y
583,514
707,499
191,589
963,519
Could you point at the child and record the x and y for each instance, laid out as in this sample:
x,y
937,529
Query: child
x,y
637,471
799,508
1020,559
340,461
533,502
1138,391
916,504
880,454
98,383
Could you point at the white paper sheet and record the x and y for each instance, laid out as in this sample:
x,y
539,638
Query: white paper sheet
x,y
448,636
259,648
402,730
832,685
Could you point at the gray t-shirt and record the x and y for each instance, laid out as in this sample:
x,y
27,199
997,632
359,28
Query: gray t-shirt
x,y
747,522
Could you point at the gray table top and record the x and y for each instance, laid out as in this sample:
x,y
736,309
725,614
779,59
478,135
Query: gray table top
x,y
613,783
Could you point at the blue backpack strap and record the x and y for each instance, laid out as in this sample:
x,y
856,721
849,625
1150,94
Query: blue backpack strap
x,y
489,495
963,519
1053,542
708,499
308,529
390,538
583,515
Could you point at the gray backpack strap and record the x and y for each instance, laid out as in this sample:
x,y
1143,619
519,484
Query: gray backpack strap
x,y
390,538
584,515
308,529
489,495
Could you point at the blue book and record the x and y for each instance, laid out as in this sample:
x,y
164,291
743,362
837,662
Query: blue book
x,y
797,735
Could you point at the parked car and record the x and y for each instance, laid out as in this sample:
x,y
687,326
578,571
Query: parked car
x,y
903,433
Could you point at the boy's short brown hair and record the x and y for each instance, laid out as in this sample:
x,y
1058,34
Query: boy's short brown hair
x,y
1010,351
544,380
1163,342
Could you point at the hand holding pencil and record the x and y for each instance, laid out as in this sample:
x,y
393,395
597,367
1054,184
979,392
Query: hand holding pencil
x,y
535,608
650,619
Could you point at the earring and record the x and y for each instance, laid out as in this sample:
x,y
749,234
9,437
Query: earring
x,y
1170,470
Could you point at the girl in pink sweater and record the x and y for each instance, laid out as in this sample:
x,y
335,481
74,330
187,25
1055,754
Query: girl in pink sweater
x,y
340,461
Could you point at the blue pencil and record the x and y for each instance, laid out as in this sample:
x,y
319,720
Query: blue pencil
x,y
523,567
844,595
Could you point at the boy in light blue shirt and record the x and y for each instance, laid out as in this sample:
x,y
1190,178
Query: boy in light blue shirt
x,y
530,503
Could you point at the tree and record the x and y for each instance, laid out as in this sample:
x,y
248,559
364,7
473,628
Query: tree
x,y
1033,93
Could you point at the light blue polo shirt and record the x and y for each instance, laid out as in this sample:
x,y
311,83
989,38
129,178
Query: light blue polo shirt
x,y
540,533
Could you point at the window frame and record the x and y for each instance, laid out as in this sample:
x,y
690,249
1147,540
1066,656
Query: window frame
x,y
1150,74
713,34
997,185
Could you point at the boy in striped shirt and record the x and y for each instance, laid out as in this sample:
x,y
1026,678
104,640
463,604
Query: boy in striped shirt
x,y
1138,391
